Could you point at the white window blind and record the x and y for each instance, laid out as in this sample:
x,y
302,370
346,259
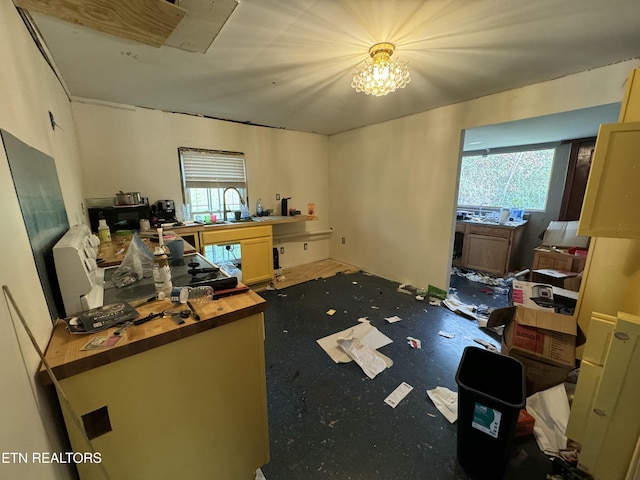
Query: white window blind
x,y
212,169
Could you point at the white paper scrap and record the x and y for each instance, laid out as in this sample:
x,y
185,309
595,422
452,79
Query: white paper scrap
x,y
371,361
398,394
366,332
414,342
445,401
393,319
446,334
550,408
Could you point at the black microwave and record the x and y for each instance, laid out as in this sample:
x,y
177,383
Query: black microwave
x,y
119,217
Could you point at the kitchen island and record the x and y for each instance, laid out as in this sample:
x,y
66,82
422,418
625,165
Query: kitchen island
x,y
169,400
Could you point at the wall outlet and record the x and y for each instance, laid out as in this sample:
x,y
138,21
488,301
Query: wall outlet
x,y
281,249
277,196
305,246
344,240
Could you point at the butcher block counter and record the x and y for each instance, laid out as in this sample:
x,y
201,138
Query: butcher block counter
x,y
169,400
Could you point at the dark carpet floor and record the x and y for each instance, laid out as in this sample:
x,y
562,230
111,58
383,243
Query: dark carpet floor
x,y
329,421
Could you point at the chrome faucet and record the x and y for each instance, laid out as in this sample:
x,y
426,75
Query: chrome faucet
x,y
224,201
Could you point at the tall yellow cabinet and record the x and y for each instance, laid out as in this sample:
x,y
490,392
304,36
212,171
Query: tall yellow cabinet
x,y
605,414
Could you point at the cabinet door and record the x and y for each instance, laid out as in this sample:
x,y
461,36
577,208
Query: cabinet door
x,y
612,190
487,254
613,423
257,260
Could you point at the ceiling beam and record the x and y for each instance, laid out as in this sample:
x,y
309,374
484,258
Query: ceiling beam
x,y
146,21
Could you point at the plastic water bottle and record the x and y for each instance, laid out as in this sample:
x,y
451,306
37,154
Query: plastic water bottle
x,y
161,273
200,294
259,208
104,234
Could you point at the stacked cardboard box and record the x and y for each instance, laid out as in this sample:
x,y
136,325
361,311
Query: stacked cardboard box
x,y
544,341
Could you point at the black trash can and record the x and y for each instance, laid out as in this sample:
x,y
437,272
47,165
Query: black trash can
x,y
491,393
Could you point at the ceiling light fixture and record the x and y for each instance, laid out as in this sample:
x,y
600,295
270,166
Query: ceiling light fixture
x,y
381,74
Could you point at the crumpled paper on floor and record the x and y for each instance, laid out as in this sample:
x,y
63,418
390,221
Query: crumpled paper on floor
x,y
366,332
453,303
446,401
550,408
371,361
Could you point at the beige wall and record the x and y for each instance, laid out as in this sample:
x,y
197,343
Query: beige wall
x,y
389,189
135,149
28,90
394,185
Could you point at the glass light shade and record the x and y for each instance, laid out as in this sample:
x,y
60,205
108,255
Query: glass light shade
x,y
381,74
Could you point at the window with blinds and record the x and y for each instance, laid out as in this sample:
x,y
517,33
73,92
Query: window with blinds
x,y
213,181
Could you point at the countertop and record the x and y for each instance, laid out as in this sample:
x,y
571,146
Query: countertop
x,y
66,357
112,253
493,224
268,220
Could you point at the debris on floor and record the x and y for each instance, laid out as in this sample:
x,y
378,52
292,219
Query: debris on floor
x,y
398,394
442,333
446,401
488,345
481,314
366,332
436,292
393,319
331,312
480,277
414,342
408,289
550,408
371,361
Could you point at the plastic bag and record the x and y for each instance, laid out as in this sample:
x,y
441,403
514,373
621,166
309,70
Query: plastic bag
x,y
137,264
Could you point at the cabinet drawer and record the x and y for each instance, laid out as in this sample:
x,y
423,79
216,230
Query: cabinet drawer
x,y
228,235
489,231
554,263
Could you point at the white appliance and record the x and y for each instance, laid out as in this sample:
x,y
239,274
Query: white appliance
x,y
79,277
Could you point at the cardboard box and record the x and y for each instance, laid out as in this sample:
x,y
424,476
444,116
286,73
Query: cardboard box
x,y
564,234
537,296
544,341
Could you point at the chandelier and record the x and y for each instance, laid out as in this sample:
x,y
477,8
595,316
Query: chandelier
x,y
381,74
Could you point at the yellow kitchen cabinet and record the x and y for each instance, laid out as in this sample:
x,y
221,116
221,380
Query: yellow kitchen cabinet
x,y
612,193
630,108
256,244
257,260
605,417
192,408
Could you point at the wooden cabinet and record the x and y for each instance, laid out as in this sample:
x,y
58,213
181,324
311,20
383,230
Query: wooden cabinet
x,y
612,194
557,260
604,415
256,244
169,401
257,260
487,247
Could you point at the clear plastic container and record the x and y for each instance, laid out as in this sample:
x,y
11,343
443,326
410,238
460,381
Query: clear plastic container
x,y
200,294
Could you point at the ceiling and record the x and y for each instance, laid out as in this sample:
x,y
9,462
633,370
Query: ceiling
x,y
288,63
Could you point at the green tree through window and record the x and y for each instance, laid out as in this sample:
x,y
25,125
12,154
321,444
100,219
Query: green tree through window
x,y
506,179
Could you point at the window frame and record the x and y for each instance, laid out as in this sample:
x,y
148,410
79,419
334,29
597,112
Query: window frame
x,y
213,181
505,150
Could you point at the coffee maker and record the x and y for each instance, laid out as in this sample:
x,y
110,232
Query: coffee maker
x,y
164,211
